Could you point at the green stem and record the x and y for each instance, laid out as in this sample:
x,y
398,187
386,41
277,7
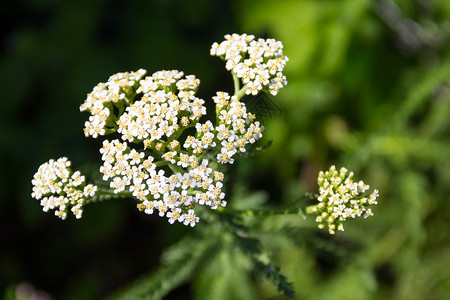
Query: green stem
x,y
111,192
175,168
161,163
265,213
309,209
241,92
177,133
237,84
238,91
107,194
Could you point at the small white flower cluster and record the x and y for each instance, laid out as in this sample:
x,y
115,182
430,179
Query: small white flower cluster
x,y
168,106
172,196
171,174
164,107
236,128
259,63
168,103
341,198
118,90
59,188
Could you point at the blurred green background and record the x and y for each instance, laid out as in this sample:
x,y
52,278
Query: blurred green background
x,y
369,89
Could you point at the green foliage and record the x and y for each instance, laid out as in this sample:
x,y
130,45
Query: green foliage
x,y
178,264
225,275
279,280
380,111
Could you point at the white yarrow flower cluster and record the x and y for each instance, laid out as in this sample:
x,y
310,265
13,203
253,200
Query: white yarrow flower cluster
x,y
167,169
342,198
118,91
168,103
172,196
258,63
164,106
236,128
57,187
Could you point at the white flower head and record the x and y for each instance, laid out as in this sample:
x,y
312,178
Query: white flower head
x,y
259,63
57,187
341,198
168,173
99,103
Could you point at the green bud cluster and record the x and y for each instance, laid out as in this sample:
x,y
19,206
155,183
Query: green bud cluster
x,y
341,198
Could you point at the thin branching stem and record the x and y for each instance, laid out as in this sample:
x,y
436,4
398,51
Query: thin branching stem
x,y
265,213
238,91
237,84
